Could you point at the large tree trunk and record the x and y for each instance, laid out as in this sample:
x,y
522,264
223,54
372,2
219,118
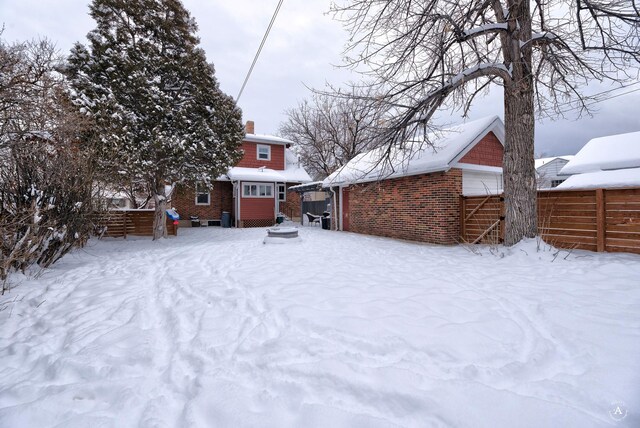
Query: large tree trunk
x,y
160,217
520,193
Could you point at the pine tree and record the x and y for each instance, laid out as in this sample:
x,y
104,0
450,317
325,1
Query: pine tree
x,y
158,110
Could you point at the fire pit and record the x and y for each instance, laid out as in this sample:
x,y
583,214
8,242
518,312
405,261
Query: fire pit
x,y
281,235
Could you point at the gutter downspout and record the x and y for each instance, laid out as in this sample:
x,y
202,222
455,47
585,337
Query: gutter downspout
x,y
335,209
341,210
276,197
236,187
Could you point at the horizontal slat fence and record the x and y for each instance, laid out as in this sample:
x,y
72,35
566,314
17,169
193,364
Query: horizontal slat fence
x,y
478,215
595,220
123,223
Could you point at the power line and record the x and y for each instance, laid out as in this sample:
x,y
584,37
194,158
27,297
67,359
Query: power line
x,y
613,96
255,59
595,98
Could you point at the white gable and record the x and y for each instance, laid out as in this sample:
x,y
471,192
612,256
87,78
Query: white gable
x,y
558,159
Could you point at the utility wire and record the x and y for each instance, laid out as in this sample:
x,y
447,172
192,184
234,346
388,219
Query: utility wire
x,y
596,97
255,59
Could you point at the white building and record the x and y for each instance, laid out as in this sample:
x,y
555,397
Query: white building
x,y
548,171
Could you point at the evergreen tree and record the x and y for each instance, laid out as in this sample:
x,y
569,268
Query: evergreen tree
x,y
158,110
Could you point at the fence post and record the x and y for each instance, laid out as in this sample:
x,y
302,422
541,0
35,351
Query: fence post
x,y
501,226
125,224
463,221
601,217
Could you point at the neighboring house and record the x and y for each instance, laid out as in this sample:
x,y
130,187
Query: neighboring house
x,y
417,196
254,191
548,171
116,200
606,162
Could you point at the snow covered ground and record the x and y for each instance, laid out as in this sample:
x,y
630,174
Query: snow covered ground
x,y
215,329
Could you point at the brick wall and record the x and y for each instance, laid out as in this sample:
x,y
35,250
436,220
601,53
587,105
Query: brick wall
x,y
220,198
250,158
420,208
487,152
291,206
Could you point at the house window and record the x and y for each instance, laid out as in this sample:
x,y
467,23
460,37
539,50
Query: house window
x,y
203,196
556,183
257,190
282,192
264,152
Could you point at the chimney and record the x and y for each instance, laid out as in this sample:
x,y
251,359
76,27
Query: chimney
x,y
249,127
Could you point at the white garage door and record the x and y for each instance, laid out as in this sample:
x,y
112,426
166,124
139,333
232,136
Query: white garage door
x,y
481,183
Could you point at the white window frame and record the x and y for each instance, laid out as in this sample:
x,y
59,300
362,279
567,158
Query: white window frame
x,y
283,193
263,146
246,185
208,193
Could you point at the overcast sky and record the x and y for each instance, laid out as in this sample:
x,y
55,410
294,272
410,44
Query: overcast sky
x,y
303,48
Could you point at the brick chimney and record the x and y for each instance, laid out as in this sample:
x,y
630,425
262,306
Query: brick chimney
x,y
250,127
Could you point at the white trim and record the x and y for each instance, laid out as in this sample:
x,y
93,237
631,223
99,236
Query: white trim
x,y
236,193
262,146
257,195
474,167
208,192
341,209
269,139
276,202
284,193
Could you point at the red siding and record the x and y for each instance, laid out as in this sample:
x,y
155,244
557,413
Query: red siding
x,y
487,152
220,198
257,208
422,208
250,159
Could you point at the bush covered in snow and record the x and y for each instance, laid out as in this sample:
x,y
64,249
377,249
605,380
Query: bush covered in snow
x,y
45,173
45,204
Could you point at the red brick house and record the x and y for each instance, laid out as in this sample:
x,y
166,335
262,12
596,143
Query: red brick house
x,y
254,191
416,195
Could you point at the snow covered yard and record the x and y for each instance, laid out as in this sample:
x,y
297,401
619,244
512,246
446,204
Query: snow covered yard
x,y
215,329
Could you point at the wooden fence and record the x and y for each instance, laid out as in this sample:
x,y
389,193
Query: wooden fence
x,y
123,223
596,220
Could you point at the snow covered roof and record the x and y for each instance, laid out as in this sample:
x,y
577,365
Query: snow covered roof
x,y
543,161
629,177
307,187
606,153
267,139
293,172
449,146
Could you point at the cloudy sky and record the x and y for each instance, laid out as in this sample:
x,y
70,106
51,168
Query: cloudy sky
x,y
303,50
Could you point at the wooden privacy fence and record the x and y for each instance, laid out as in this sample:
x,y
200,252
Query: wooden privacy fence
x,y
596,220
123,223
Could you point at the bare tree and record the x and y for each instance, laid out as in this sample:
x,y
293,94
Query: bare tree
x,y
45,171
331,129
436,53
